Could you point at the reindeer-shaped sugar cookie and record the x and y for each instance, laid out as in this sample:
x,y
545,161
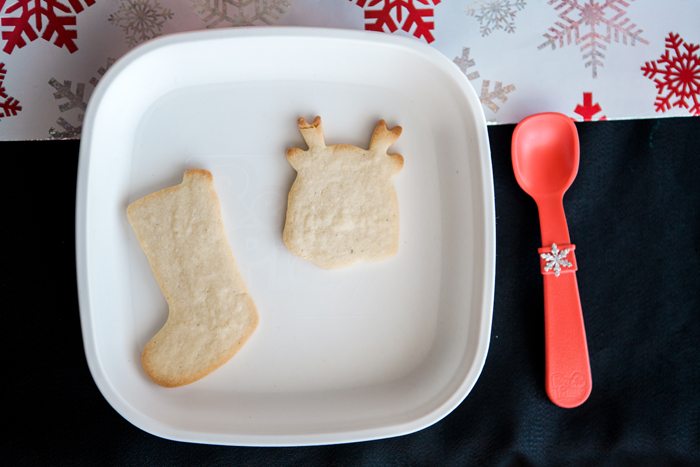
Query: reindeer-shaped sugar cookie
x,y
342,207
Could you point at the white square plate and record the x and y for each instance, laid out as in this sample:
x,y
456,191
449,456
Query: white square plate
x,y
365,352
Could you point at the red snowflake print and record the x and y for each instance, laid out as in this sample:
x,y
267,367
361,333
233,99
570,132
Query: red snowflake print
x,y
9,106
412,16
588,109
676,75
52,20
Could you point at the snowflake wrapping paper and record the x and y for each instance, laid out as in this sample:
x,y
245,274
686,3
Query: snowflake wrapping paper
x,y
590,59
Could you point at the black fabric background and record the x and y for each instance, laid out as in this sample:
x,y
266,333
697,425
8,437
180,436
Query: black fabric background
x,y
634,215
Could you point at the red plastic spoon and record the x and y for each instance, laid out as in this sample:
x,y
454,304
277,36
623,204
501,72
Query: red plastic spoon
x,y
545,153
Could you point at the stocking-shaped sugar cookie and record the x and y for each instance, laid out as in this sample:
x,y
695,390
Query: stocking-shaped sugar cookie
x,y
342,207
211,314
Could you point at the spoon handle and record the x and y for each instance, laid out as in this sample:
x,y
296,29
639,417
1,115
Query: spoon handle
x,y
567,369
568,379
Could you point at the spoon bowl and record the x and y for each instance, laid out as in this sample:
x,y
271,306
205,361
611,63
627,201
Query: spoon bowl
x,y
545,154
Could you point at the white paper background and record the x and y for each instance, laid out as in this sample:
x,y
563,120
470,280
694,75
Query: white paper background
x,y
544,79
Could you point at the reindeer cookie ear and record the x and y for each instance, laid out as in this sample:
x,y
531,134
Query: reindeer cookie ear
x,y
382,138
313,136
312,132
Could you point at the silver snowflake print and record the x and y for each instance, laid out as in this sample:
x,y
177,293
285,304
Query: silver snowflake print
x,y
74,103
495,15
464,62
556,259
140,20
592,25
487,96
217,13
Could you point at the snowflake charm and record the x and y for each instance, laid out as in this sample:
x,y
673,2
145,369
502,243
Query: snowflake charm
x,y
588,109
140,19
9,106
217,13
555,260
412,16
495,14
52,20
603,23
676,75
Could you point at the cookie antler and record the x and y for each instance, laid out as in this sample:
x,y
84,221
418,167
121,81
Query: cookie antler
x,y
312,132
383,137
